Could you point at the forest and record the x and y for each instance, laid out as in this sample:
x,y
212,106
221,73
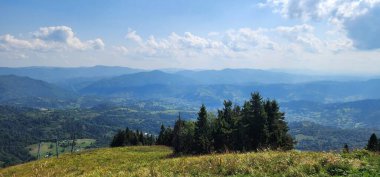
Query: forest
x,y
257,125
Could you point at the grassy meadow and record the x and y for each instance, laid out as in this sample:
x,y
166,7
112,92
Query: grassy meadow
x,y
157,161
48,148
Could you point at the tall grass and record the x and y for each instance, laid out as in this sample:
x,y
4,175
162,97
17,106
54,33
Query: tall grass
x,y
156,161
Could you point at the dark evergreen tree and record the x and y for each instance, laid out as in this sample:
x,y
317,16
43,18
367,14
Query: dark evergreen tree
x,y
373,143
141,138
237,138
128,137
346,149
244,127
202,132
160,139
178,142
277,127
225,130
118,140
256,120
168,137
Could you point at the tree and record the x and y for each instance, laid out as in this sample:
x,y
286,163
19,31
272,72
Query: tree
x,y
141,138
178,143
132,138
372,143
225,130
118,140
278,137
255,122
160,139
168,137
346,149
202,132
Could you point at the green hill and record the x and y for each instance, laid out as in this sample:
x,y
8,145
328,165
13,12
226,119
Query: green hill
x,y
157,161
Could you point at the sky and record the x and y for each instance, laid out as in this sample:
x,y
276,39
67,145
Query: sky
x,y
324,36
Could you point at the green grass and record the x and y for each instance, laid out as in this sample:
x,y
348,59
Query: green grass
x,y
48,148
157,161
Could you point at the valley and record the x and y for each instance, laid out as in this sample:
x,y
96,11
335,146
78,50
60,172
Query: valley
x,y
322,115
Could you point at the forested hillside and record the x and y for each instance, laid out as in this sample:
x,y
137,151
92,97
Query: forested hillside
x,y
96,107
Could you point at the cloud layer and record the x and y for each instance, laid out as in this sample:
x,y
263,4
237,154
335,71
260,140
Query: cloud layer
x,y
358,18
49,39
236,43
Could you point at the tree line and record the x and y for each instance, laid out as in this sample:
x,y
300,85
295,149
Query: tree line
x,y
128,137
259,124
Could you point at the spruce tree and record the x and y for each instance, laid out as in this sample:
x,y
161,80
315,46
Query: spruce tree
x,y
257,123
177,141
244,127
128,137
160,139
141,138
202,132
118,140
372,143
168,137
224,134
277,127
273,124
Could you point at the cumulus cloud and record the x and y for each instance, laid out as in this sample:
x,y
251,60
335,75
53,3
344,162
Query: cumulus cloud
x,y
131,35
358,18
50,38
235,43
187,44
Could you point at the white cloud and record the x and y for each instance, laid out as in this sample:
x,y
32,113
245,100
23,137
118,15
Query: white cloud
x,y
357,18
290,47
49,38
239,43
9,42
131,35
173,45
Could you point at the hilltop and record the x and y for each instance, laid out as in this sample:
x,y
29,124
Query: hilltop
x,y
157,161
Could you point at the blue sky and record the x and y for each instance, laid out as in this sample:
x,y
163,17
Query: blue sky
x,y
329,36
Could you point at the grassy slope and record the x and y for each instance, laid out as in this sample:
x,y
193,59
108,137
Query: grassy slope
x,y
156,161
49,147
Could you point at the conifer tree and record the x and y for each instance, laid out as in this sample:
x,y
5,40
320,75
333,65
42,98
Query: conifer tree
x,y
160,139
202,132
118,140
277,127
372,143
141,138
178,143
168,137
257,123
224,134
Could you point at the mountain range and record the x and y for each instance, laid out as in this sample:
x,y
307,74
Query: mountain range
x,y
207,86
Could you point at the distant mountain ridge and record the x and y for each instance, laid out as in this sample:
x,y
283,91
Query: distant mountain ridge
x,y
210,87
16,87
132,82
224,76
58,74
158,84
